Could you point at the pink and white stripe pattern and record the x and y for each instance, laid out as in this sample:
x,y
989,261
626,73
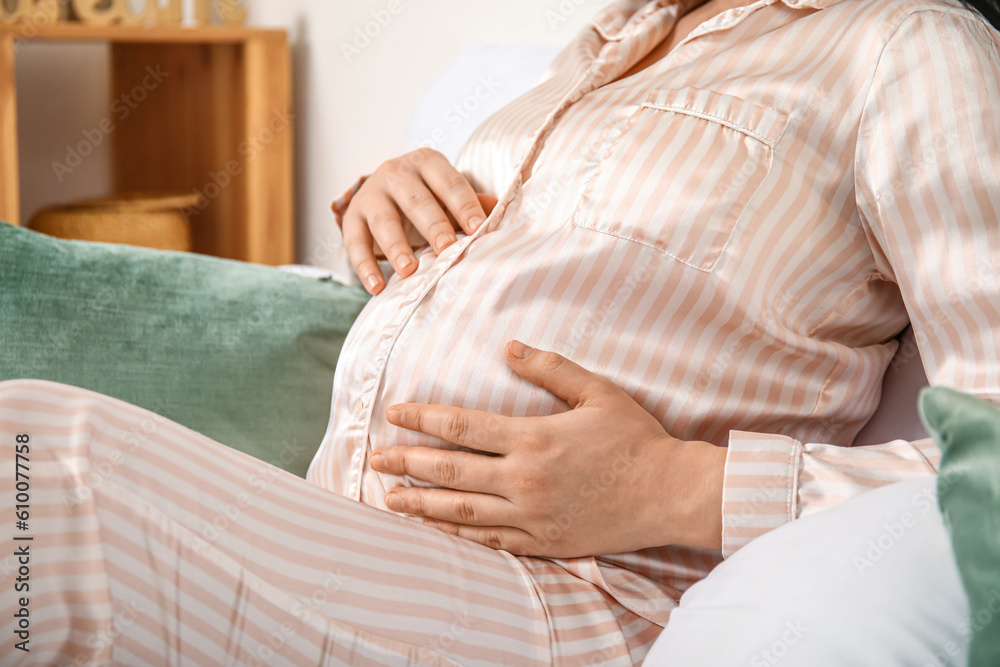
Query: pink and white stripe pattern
x,y
735,235
153,545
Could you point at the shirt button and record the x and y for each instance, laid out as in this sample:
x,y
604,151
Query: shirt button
x,y
359,409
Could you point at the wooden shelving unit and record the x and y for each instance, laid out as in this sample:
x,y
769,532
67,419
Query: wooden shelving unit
x,y
224,108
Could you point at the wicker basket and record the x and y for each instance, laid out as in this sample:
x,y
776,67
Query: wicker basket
x,y
149,221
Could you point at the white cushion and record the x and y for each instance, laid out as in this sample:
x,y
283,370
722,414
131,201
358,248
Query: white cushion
x,y
479,82
872,581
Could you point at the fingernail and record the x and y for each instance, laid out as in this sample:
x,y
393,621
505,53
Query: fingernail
x,y
475,222
377,462
373,282
443,241
403,262
519,350
394,502
394,414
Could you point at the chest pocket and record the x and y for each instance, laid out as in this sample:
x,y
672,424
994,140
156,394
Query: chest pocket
x,y
682,172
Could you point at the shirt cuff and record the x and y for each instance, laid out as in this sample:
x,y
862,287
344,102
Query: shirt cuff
x,y
341,203
759,490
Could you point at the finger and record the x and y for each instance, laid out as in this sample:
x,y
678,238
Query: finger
x,y
470,428
488,202
498,538
420,206
461,471
358,242
555,373
386,226
454,191
471,509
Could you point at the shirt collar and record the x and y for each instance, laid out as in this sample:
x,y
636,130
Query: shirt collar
x,y
622,17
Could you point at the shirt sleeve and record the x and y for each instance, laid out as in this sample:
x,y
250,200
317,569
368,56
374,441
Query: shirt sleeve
x,y
927,178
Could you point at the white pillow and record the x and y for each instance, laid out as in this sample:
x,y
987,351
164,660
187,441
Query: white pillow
x,y
479,82
872,581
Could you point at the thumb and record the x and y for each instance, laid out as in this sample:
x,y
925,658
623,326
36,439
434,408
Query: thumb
x,y
553,372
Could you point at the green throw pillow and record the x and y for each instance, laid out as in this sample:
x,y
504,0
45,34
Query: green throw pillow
x,y
244,354
967,429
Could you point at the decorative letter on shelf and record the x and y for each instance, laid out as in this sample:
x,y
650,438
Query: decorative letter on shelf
x,y
86,11
153,12
35,12
232,13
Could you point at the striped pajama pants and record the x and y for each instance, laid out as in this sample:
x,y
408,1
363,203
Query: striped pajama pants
x,y
145,543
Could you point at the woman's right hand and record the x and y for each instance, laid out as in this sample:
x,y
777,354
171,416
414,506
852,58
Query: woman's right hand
x,y
408,202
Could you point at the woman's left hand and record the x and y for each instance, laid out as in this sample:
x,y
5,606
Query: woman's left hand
x,y
602,478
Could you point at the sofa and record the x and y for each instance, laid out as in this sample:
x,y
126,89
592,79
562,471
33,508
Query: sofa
x,y
246,355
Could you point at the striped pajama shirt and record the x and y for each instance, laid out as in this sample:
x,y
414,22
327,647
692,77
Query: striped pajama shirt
x,y
735,235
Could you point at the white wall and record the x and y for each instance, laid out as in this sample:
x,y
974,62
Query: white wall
x,y
352,107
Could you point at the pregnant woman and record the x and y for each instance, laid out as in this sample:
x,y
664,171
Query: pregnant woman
x,y
562,411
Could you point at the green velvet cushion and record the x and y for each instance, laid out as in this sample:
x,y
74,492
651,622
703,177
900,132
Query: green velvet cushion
x,y
967,429
244,354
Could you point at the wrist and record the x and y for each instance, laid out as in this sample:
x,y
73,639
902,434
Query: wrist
x,y
706,515
688,478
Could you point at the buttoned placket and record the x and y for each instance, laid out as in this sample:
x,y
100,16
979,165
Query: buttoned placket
x,y
606,65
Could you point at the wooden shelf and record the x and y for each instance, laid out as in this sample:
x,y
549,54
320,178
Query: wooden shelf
x,y
72,32
225,108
